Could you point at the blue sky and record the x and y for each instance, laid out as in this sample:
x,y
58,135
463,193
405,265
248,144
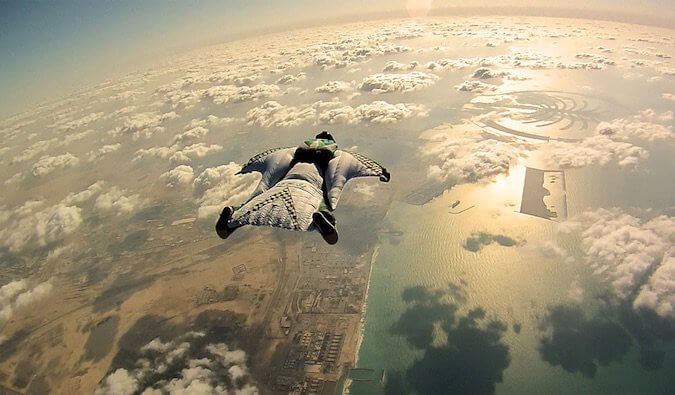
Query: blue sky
x,y
52,48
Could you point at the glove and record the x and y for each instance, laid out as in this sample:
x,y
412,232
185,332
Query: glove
x,y
385,176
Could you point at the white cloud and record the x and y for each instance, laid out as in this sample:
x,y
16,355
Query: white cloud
x,y
658,294
388,83
81,122
179,175
102,151
48,164
272,113
35,225
83,196
334,87
634,256
115,201
551,249
223,94
183,366
14,179
668,96
36,148
190,135
10,290
375,112
217,187
344,54
596,150
463,154
643,126
393,65
18,295
209,121
289,78
120,382
475,86
484,73
143,124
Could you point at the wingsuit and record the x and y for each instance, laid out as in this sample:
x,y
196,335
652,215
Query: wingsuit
x,y
299,188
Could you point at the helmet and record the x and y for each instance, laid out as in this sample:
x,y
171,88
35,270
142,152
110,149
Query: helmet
x,y
325,135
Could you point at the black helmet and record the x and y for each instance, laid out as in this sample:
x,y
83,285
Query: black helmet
x,y
325,135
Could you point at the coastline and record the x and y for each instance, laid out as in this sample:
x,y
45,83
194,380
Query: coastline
x,y
348,381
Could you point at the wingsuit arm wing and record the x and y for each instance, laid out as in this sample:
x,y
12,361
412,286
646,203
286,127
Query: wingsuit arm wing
x,y
273,164
345,166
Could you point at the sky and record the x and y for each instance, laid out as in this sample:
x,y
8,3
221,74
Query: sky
x,y
53,48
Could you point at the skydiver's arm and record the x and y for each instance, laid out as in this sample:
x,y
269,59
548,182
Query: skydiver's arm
x,y
268,159
273,164
345,166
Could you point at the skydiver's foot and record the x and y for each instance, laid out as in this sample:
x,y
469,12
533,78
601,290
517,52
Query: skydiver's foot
x,y
221,226
325,224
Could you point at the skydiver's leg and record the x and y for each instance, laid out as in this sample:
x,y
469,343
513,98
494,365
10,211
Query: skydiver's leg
x,y
222,228
325,223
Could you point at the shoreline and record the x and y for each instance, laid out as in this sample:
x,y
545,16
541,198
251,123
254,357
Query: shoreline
x,y
348,382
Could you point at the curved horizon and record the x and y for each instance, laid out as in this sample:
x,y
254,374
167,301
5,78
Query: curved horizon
x,y
40,69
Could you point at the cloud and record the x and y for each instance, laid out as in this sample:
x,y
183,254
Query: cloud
x,y
190,136
375,112
36,148
184,147
117,202
35,225
658,294
184,365
475,86
81,122
209,121
199,150
388,83
341,55
632,255
19,295
334,87
48,164
645,126
143,124
393,65
217,187
223,94
83,196
463,154
104,150
289,78
484,73
551,249
179,175
120,382
600,60
14,179
274,114
596,150
668,96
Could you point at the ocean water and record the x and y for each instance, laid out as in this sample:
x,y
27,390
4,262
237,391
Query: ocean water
x,y
430,273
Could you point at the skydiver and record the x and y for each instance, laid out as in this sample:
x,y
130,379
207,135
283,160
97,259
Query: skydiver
x,y
300,187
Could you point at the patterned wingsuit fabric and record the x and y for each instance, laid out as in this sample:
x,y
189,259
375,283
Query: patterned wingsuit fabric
x,y
289,193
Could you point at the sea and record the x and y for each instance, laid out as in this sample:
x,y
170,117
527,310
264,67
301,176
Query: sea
x,y
513,286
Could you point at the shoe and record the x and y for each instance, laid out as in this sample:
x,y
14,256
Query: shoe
x,y
325,226
221,226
